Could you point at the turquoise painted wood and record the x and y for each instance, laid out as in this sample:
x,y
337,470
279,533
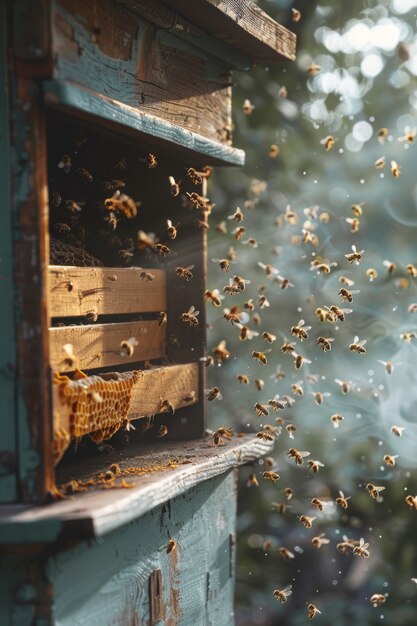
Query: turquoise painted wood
x,y
105,582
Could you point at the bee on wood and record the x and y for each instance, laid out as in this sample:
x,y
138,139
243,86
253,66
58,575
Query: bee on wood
x,y
189,397
265,436
261,409
320,540
162,318
358,346
172,230
221,352
298,455
300,330
222,434
342,500
213,394
307,520
161,249
325,343
185,272
345,294
167,407
190,317
128,346
390,459
214,297
282,594
355,256
147,276
260,357
362,549
374,490
92,315
162,431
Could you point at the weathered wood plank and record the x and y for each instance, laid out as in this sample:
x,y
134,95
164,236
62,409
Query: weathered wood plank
x,y
172,138
101,345
243,25
96,513
76,291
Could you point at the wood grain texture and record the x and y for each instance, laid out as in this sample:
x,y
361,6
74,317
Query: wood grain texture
x,y
94,514
100,345
75,291
241,24
164,135
106,47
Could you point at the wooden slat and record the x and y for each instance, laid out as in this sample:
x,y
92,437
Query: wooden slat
x,y
241,24
93,514
99,345
75,291
120,117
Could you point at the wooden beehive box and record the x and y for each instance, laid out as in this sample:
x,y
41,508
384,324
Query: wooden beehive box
x,y
106,104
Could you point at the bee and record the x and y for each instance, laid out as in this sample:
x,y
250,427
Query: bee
x,y
409,135
269,337
299,360
346,281
221,352
300,330
374,490
380,163
172,545
357,209
354,224
313,69
145,240
395,169
147,276
185,272
355,256
263,302
198,201
162,318
361,549
128,346
235,316
276,403
112,220
319,396
213,394
328,142
286,554
239,232
246,333
207,360
397,430
345,385
221,434
320,540
282,594
288,492
265,436
92,315
325,343
190,317
223,263
339,313
113,184
161,249
389,366
345,294
260,357
307,520
251,242
358,346
316,503
382,134
174,186
278,374
297,388
196,177
342,500
314,466
248,107
189,397
298,455
411,269
273,476
336,419
261,409
259,384
162,431
412,308
74,207
372,274
273,151
390,459
280,507
377,598
63,228
126,254
312,611
290,428
283,282
283,93
167,407
288,347
85,174
252,481
408,336
70,358
214,297
256,319
172,230
56,199
411,501
237,216
65,163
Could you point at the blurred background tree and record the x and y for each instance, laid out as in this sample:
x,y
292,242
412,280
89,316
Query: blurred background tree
x,y
367,53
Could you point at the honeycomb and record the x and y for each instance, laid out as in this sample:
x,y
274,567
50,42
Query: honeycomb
x,y
91,405
64,254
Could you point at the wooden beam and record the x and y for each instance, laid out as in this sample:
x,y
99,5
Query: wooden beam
x,y
180,466
101,345
241,24
77,291
120,117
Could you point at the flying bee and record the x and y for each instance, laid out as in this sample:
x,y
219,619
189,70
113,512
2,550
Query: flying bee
x,y
251,241
237,216
221,434
242,378
263,301
223,263
325,343
259,384
273,476
346,281
167,407
290,428
357,209
345,294
288,347
273,151
190,317
221,228
390,459
362,549
312,611
300,360
313,69
286,554
113,184
300,330
73,207
377,598
62,228
283,282
282,594
246,333
397,430
278,374
85,175
288,492
328,142
298,455
65,163
112,220
196,177
214,297
320,540
241,282
56,199
248,107
261,409
322,267
174,186
316,503
276,403
162,431
389,366
172,230
232,288
314,466
391,267
239,232
319,396
339,313
252,481
269,270
411,269
280,507
336,420
382,134
207,360
161,249
283,93
345,385
408,336
354,224
358,346
185,272
395,169
355,256
411,501
297,388
269,337
162,318
151,160
198,201
374,490
291,216
372,274
380,163
342,500
213,394
347,545
260,357
145,240
147,276
256,319
221,352
307,520
296,15
249,305
412,307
